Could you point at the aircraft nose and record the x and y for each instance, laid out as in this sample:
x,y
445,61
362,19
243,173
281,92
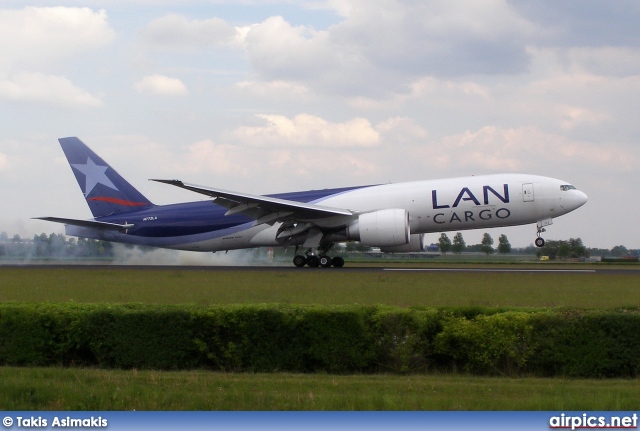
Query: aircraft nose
x,y
583,198
571,200
580,198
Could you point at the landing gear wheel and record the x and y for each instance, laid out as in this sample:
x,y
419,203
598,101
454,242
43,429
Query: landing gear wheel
x,y
539,242
299,261
337,262
325,261
313,261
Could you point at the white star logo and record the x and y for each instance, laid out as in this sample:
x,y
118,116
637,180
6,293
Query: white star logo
x,y
94,175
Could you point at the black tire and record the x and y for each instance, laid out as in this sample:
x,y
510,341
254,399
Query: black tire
x,y
299,261
337,262
313,261
325,261
539,242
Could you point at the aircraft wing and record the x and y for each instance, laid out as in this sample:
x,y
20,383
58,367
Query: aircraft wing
x,y
264,209
87,223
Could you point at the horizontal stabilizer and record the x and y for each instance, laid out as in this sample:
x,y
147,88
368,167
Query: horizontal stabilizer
x,y
87,223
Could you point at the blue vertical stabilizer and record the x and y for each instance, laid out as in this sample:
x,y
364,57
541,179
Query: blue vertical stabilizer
x,y
104,189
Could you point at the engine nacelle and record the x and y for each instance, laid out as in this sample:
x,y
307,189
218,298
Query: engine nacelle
x,y
416,244
384,228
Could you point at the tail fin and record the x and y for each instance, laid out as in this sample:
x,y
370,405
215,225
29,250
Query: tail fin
x,y
104,189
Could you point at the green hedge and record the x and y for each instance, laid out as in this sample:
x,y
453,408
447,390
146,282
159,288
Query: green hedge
x,y
340,339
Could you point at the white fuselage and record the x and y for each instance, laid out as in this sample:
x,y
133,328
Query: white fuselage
x,y
476,202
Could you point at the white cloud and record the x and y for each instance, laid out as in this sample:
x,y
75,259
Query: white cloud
x,y
4,161
383,46
523,149
427,88
436,37
306,130
33,39
428,85
379,47
161,85
608,60
221,159
402,130
176,31
276,49
239,166
34,36
48,89
265,165
575,116
273,88
565,96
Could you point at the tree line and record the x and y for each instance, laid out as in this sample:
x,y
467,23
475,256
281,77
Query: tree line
x,y
59,246
560,249
53,246
458,245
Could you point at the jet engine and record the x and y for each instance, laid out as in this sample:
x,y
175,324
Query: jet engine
x,y
416,244
383,228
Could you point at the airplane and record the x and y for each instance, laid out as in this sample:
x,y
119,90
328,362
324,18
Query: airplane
x,y
394,217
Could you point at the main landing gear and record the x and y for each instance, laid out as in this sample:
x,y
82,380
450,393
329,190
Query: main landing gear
x,y
313,261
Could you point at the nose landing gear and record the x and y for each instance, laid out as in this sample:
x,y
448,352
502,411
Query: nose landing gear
x,y
539,242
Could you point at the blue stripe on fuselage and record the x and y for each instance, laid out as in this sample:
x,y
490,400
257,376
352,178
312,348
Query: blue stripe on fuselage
x,y
195,218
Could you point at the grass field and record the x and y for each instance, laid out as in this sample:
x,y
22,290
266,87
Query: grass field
x,y
88,389
403,289
83,389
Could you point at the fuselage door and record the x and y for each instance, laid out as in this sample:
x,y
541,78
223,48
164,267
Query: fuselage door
x,y
527,192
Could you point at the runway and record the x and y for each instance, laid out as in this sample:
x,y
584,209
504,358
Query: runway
x,y
572,271
353,268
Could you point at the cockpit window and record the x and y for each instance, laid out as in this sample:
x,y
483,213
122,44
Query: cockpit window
x,y
566,187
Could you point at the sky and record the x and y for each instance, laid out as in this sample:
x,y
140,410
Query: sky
x,y
274,96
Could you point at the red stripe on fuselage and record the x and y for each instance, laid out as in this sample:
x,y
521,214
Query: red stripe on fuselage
x,y
119,201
